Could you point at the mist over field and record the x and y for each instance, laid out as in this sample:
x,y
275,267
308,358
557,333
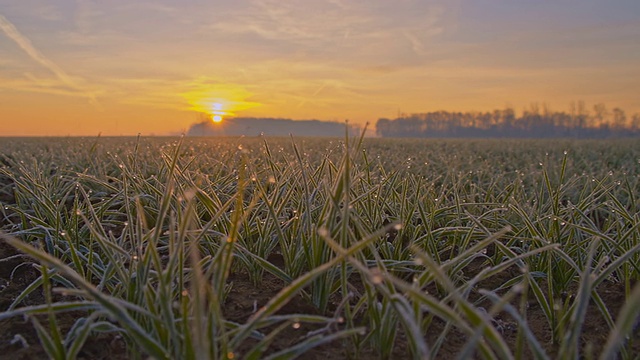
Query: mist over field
x,y
534,122
271,127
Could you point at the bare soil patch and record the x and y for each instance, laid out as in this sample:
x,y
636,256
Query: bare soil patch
x,y
18,339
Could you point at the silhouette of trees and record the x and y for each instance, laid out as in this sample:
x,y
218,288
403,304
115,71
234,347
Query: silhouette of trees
x,y
535,122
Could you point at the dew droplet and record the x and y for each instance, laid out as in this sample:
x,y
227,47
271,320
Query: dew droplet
x,y
323,232
376,276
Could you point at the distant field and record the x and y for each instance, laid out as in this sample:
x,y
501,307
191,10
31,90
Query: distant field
x,y
323,248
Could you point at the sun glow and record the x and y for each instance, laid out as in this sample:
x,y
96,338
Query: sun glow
x,y
219,101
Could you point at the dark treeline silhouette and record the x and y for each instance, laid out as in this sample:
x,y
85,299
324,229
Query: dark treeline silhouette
x,y
534,122
270,127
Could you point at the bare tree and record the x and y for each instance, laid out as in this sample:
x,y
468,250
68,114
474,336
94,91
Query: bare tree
x,y
635,122
619,119
600,115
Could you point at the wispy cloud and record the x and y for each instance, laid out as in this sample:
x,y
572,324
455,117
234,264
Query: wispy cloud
x,y
428,27
338,31
48,12
26,45
296,23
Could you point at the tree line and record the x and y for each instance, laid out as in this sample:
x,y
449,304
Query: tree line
x,y
535,122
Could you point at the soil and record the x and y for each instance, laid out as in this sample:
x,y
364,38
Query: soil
x,y
18,339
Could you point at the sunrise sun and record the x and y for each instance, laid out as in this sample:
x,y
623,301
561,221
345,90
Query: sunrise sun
x,y
217,111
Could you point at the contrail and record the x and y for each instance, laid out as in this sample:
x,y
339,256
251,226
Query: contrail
x,y
303,102
320,89
25,44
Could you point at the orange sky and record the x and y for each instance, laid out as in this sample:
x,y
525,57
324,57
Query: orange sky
x,y
128,67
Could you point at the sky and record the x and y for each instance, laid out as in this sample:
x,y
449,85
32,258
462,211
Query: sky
x,y
116,67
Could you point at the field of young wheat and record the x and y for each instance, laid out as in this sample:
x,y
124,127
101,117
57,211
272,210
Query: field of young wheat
x,y
276,248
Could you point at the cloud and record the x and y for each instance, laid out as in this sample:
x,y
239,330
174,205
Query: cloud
x,y
340,32
49,12
416,44
303,24
85,16
25,44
